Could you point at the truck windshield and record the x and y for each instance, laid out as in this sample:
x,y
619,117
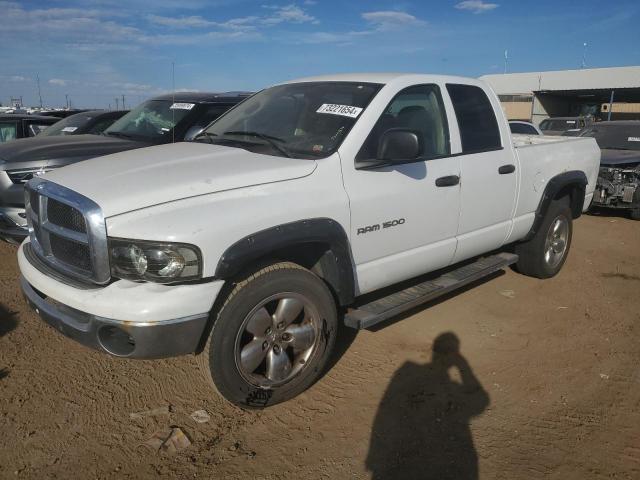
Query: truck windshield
x,y
307,120
67,126
558,125
152,121
615,137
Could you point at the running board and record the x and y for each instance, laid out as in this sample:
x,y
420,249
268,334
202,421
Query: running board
x,y
382,309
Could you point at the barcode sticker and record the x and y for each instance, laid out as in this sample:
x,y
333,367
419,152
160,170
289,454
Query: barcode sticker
x,y
182,106
633,139
343,110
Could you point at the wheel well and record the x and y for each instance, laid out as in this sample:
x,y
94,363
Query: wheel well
x,y
575,192
318,244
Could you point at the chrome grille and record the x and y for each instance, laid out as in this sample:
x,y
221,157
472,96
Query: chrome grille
x,y
67,231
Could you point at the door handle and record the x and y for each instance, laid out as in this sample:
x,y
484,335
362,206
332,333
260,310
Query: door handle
x,y
448,181
505,169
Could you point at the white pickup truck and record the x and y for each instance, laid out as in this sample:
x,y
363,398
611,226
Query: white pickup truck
x,y
249,246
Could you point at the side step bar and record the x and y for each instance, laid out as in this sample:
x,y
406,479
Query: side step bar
x,y
382,309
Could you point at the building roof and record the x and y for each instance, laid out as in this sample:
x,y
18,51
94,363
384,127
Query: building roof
x,y
565,80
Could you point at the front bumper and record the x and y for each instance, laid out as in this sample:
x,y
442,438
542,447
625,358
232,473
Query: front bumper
x,y
125,319
167,338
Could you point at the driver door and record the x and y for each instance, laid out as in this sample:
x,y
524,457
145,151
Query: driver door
x,y
403,221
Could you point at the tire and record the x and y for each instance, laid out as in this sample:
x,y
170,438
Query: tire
x,y
250,328
544,255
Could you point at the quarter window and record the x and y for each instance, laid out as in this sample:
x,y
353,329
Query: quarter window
x,y
420,110
476,119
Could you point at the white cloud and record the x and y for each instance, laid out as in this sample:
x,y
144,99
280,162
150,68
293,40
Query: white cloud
x,y
58,82
289,14
391,20
476,6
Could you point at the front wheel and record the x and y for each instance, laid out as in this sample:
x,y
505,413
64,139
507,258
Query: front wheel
x,y
544,255
272,337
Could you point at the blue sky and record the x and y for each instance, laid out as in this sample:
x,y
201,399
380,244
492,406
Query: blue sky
x,y
95,50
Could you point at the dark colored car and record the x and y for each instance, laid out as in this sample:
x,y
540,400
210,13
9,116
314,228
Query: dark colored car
x,y
619,179
165,119
61,113
14,126
92,121
568,126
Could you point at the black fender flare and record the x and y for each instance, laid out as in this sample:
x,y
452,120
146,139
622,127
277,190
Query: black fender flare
x,y
337,264
574,179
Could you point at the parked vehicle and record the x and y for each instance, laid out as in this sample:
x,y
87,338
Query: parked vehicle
x,y
62,113
14,126
619,179
243,246
567,126
93,122
526,128
164,119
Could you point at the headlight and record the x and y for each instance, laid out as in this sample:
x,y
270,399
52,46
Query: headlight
x,y
140,260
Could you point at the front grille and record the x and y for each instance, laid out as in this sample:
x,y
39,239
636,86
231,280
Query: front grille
x,y
67,231
65,216
70,252
35,203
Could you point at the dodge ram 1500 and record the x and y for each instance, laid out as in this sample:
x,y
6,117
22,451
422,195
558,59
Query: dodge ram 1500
x,y
250,245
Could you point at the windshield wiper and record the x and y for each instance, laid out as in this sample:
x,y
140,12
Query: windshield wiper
x,y
206,135
119,134
271,140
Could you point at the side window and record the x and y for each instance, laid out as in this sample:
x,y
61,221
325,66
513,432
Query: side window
x,y
35,128
419,109
211,114
476,119
522,128
101,125
8,131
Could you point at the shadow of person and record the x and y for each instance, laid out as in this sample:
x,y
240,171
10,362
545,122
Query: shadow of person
x,y
421,430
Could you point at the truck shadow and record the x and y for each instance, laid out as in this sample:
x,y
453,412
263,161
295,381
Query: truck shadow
x,y
422,426
8,322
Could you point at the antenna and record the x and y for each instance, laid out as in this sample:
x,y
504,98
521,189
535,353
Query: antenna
x,y
173,100
39,93
584,55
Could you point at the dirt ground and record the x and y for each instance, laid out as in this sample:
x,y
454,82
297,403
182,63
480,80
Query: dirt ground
x,y
547,386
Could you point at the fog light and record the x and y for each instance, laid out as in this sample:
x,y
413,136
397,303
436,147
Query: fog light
x,y
116,341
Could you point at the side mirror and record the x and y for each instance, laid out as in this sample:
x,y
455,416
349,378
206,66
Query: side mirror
x,y
192,133
397,145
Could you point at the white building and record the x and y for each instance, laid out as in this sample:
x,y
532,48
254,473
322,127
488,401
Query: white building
x,y
539,95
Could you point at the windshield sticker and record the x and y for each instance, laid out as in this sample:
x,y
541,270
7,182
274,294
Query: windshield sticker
x,y
69,129
342,110
571,122
633,139
182,106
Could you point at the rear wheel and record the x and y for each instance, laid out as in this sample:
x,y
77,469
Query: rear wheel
x,y
272,337
544,255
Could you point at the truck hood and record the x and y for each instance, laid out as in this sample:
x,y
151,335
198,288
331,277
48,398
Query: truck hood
x,y
71,148
619,157
142,178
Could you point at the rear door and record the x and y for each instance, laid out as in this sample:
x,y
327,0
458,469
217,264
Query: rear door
x,y
488,173
402,223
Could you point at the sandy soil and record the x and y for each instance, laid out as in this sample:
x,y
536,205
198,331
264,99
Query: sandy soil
x,y
547,386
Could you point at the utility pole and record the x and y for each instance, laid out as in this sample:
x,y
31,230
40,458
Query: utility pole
x,y
66,99
123,101
506,60
584,55
117,103
39,93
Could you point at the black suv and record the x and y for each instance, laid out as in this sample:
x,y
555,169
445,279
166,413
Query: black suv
x,y
165,119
